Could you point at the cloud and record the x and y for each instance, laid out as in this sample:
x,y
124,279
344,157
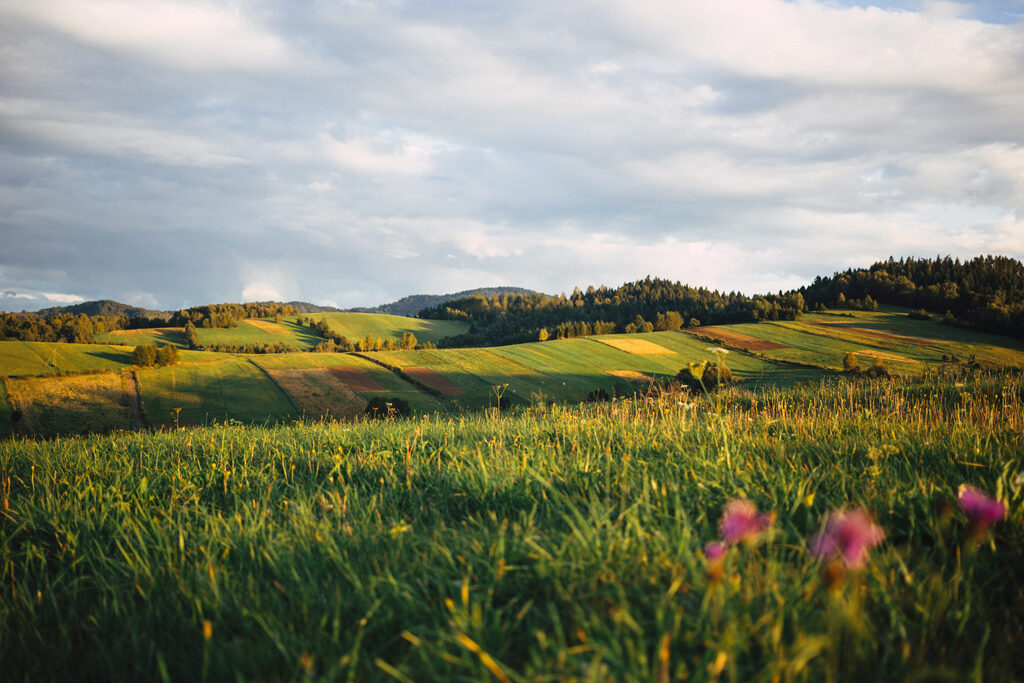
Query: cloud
x,y
190,35
360,151
63,298
259,291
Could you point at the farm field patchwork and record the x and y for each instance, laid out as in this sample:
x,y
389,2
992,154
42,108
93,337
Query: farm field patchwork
x,y
596,542
368,380
319,393
234,388
907,346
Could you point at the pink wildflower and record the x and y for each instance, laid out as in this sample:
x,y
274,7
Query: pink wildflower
x,y
742,522
849,533
715,551
980,508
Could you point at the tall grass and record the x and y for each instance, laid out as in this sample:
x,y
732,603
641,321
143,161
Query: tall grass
x,y
552,543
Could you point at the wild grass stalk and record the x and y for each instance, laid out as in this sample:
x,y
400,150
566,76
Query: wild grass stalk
x,y
526,545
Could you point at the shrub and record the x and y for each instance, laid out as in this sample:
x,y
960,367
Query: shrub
x,y
704,376
387,407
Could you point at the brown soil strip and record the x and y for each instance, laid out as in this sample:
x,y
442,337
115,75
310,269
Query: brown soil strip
x,y
433,380
318,393
266,326
917,341
631,376
356,379
131,387
640,347
736,339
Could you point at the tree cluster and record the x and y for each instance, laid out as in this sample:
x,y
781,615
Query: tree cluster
x,y
148,355
253,347
985,293
228,315
644,305
67,327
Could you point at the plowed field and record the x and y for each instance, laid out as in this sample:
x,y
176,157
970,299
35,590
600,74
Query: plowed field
x,y
736,339
433,380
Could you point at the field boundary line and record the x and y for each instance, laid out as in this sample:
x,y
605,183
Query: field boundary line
x,y
404,375
779,361
131,388
284,393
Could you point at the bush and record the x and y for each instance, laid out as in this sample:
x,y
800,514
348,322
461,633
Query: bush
x,y
387,407
919,314
598,396
704,376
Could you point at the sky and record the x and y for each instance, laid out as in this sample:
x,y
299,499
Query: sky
x,y
172,153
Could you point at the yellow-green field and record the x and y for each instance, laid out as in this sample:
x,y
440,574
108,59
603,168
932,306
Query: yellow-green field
x,y
357,325
70,405
303,385
906,346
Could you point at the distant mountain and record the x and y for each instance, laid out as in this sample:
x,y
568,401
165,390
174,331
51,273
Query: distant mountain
x,y
103,307
411,305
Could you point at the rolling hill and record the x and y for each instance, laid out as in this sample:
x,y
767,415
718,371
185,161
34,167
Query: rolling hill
x,y
56,386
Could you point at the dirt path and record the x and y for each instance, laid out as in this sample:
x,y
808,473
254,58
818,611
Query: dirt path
x,y
131,384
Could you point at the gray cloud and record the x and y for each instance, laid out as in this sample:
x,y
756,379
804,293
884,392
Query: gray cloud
x,y
172,152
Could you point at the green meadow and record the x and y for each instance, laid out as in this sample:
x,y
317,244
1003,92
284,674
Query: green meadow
x,y
906,346
357,325
547,543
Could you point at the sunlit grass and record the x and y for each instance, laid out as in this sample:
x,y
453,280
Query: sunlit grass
x,y
551,543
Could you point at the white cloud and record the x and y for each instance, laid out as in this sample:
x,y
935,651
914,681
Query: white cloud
x,y
193,35
105,134
260,291
63,298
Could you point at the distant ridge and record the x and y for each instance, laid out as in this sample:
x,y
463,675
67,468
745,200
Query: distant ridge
x,y
409,306
102,307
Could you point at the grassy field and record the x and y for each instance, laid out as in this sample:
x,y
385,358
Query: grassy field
x,y
563,544
288,331
231,389
390,385
906,346
33,359
69,405
357,325
161,336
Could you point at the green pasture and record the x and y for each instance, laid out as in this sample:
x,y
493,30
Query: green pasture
x,y
563,544
160,336
21,359
356,326
825,339
234,389
298,336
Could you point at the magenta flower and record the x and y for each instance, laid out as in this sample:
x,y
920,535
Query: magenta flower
x,y
715,551
742,522
848,533
981,509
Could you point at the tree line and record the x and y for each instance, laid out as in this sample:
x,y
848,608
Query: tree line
x,y
985,293
642,306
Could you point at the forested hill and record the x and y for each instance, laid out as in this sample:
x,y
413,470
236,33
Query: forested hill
x,y
105,307
411,305
985,293
649,304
